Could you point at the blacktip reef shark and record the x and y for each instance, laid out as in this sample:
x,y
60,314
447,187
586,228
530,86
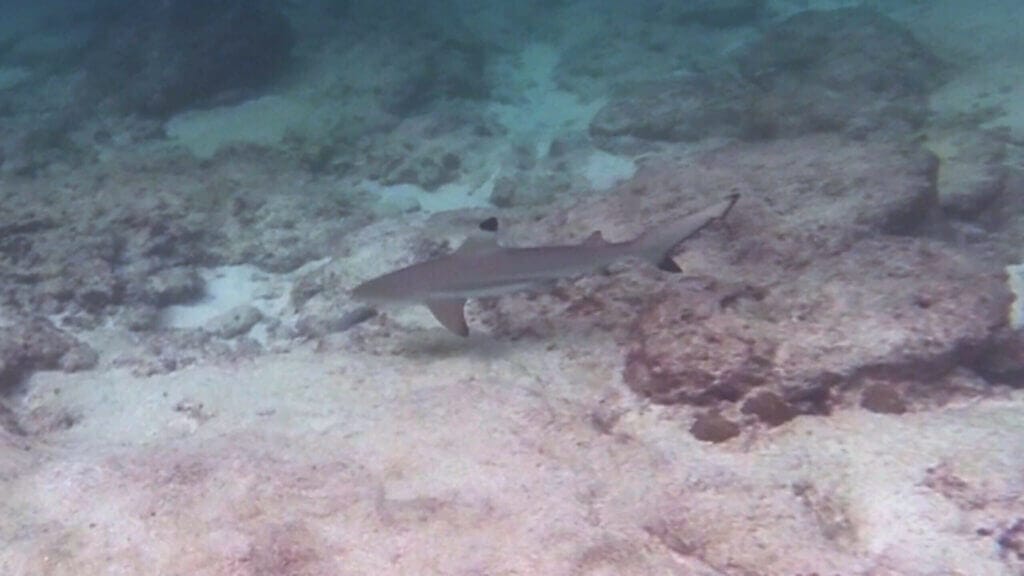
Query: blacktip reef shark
x,y
482,268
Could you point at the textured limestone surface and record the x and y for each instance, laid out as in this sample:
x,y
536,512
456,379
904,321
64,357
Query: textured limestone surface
x,y
520,457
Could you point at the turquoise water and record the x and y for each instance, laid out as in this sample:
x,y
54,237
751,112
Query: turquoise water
x,y
767,321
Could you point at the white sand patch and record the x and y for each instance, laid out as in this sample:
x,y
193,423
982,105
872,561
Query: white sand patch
x,y
265,121
992,92
403,197
604,170
230,286
226,288
536,110
288,463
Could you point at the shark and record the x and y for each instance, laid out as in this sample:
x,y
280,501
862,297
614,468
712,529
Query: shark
x,y
482,268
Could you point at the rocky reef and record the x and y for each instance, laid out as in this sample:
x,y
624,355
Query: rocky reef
x,y
823,288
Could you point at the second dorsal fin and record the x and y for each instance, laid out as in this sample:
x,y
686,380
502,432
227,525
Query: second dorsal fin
x,y
595,239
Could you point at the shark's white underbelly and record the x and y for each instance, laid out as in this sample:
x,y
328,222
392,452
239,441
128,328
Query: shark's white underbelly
x,y
489,291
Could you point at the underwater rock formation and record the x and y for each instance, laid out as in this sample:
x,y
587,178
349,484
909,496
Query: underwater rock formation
x,y
810,292
235,322
442,71
131,241
678,110
174,285
9,425
851,70
28,344
82,264
972,172
160,58
428,151
895,311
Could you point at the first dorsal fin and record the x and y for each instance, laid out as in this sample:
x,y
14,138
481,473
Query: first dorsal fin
x,y
478,243
451,314
489,225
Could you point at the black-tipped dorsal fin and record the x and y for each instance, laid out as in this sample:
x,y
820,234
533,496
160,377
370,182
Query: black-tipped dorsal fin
x,y
489,225
451,314
478,243
595,239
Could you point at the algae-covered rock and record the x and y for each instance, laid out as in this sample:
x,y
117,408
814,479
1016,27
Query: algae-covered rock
x,y
164,57
34,343
852,70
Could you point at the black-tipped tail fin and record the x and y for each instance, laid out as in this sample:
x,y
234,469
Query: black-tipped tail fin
x,y
657,245
669,265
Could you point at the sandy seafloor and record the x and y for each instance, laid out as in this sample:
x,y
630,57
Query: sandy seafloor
x,y
393,447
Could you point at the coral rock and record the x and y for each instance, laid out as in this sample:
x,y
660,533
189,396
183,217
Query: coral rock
x,y
36,344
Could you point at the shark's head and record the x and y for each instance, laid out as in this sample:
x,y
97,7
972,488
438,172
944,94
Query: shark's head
x,y
398,286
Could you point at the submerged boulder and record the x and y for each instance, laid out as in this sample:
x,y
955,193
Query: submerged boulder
x,y
813,293
895,310
852,70
677,110
159,58
448,70
34,343
972,175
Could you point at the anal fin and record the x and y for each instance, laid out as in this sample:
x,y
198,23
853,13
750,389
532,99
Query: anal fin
x,y
451,314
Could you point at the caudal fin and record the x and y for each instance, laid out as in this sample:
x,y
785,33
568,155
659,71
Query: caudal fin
x,y
657,245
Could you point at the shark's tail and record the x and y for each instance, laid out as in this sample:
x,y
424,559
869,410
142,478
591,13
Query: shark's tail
x,y
656,245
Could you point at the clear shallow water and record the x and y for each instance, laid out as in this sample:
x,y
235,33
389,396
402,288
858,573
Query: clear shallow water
x,y
189,191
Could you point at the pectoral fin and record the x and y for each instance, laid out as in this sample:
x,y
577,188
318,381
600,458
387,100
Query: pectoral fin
x,y
450,313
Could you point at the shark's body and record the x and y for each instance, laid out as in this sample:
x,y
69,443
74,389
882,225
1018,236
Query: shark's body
x,y
481,268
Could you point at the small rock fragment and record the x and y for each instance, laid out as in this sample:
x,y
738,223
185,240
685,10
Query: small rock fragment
x,y
9,421
317,325
173,286
769,408
305,288
883,399
1011,541
971,174
32,344
139,318
504,192
235,322
1004,362
713,427
80,357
